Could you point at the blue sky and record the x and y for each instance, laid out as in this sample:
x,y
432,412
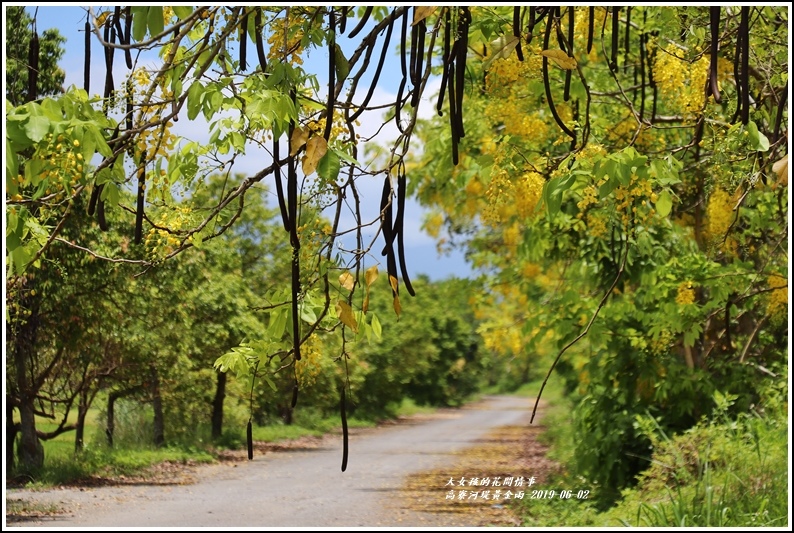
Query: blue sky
x,y
421,253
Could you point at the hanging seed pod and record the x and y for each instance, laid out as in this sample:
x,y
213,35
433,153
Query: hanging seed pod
x,y
378,69
343,413
530,24
388,231
343,20
110,37
744,30
627,39
713,89
445,61
329,106
33,67
95,192
126,37
282,204
100,213
361,23
141,195
421,31
244,42
87,57
249,439
566,94
294,401
260,45
401,189
643,59
463,31
517,31
590,29
613,62
547,83
779,116
405,71
292,209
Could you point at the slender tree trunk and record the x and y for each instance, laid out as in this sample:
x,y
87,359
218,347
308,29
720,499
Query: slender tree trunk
x,y
217,406
11,434
79,430
30,451
157,405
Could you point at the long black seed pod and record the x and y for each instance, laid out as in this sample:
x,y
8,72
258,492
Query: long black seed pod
x,y
566,94
779,116
388,230
33,66
244,41
87,64
464,20
517,31
260,45
343,20
453,111
100,214
713,89
282,204
292,209
643,59
329,106
345,443
530,24
294,401
109,36
405,70
613,62
590,29
627,39
744,30
377,72
126,37
546,81
249,439
421,31
361,23
445,60
141,195
401,187
97,190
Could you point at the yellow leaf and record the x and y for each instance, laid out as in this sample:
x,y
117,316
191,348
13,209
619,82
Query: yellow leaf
x,y
371,274
501,48
393,283
397,307
299,138
421,13
347,280
365,305
315,150
562,59
781,169
346,316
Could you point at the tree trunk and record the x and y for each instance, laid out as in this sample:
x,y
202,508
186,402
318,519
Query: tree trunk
x,y
30,451
11,435
79,430
157,405
217,406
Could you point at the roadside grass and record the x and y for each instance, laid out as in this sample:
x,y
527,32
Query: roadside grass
x,y
724,472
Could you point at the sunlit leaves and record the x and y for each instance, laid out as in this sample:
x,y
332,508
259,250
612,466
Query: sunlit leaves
x,y
346,315
562,60
316,147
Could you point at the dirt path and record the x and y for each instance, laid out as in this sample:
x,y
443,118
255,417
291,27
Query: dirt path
x,y
397,475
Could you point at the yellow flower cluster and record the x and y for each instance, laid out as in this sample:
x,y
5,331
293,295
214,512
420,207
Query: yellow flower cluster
x,y
633,201
682,83
309,367
164,238
686,294
777,302
287,33
62,165
528,190
504,72
719,214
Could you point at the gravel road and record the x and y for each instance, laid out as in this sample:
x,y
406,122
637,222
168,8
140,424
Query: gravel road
x,y
303,488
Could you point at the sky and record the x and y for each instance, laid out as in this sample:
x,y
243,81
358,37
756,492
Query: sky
x,y
422,256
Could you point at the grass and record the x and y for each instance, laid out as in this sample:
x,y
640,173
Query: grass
x,y
724,472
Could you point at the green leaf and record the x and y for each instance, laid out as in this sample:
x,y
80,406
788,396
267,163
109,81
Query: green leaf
x,y
140,17
278,323
664,204
182,12
37,127
340,63
329,166
376,327
155,21
758,140
307,314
